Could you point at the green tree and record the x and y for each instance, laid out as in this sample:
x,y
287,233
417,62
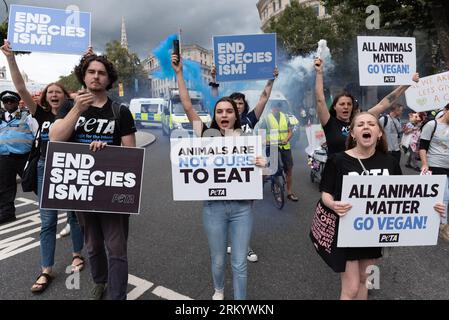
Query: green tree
x,y
427,20
128,68
70,82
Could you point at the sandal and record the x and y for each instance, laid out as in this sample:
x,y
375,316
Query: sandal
x,y
78,267
41,286
292,197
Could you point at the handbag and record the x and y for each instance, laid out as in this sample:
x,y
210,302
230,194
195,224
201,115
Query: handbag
x,y
29,176
323,233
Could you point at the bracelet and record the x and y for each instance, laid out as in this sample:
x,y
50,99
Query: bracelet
x,y
214,84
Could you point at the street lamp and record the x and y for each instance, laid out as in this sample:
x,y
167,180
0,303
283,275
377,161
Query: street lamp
x,y
7,10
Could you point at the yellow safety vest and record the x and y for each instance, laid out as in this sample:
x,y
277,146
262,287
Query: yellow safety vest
x,y
277,132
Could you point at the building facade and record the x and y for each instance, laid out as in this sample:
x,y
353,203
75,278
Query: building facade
x,y
273,8
161,87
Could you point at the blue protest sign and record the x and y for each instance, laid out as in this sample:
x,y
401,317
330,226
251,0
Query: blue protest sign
x,y
245,57
38,29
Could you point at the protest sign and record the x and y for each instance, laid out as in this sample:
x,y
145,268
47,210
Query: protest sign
x,y
386,61
315,138
77,179
429,93
39,29
245,57
391,211
220,168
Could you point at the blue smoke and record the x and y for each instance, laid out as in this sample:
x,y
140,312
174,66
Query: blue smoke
x,y
192,71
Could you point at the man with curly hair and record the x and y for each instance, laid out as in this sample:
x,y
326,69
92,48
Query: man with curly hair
x,y
91,120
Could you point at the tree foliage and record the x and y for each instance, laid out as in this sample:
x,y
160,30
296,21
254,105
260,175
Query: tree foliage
x,y
70,82
128,68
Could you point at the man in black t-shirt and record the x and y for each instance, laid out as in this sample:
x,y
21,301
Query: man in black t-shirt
x,y
91,120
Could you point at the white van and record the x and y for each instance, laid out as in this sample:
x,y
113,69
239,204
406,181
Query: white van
x,y
147,110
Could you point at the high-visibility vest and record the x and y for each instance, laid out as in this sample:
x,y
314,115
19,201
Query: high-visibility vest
x,y
278,131
16,136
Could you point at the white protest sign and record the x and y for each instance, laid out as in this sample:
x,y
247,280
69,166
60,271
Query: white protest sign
x,y
429,93
391,211
385,61
220,168
315,137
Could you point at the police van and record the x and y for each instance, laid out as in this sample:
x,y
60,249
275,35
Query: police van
x,y
174,117
147,110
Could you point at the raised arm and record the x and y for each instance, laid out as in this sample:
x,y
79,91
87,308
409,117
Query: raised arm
x,y
17,78
214,84
184,95
63,129
321,107
260,106
386,102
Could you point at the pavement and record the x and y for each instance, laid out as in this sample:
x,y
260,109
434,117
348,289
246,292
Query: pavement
x,y
144,139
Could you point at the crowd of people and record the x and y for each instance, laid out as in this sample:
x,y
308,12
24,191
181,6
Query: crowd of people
x,y
358,142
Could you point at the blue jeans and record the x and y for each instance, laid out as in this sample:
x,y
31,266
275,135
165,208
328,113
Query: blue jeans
x,y
219,217
49,221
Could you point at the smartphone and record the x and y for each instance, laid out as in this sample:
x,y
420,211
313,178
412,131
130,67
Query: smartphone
x,y
176,48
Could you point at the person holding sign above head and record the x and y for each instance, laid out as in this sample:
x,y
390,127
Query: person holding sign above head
x,y
97,120
336,121
221,216
44,111
248,119
366,155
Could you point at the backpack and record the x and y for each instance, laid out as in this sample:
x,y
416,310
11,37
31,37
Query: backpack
x,y
116,107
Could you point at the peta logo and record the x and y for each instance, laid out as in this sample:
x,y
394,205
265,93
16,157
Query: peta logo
x,y
217,192
389,238
123,198
97,126
389,79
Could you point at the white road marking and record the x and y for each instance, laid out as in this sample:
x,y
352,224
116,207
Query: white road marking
x,y
141,286
168,294
20,243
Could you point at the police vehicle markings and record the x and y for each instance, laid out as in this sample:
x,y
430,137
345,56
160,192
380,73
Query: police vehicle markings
x,y
22,242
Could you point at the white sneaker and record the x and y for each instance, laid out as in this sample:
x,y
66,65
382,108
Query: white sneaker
x,y
252,256
228,250
66,231
218,295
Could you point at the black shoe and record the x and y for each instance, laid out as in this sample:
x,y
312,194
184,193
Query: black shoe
x,y
7,219
97,291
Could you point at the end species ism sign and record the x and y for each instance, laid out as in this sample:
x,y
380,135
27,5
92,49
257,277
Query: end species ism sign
x,y
391,211
245,57
386,61
50,30
219,168
78,179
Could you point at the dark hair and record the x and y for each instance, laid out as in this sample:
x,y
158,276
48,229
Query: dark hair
x,y
396,106
355,105
237,124
382,144
81,68
237,96
43,99
446,107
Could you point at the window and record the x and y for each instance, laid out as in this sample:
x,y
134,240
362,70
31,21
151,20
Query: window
x,y
279,4
316,8
274,6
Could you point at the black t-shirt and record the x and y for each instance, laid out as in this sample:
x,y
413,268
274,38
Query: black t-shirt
x,y
341,164
248,121
336,132
45,120
98,124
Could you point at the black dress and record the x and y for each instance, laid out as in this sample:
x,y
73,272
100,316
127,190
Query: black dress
x,y
341,164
